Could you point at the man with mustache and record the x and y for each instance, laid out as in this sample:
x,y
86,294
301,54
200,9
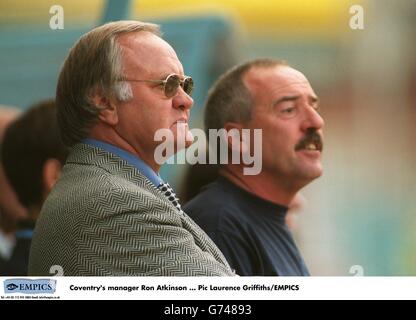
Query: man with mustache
x,y
110,213
245,214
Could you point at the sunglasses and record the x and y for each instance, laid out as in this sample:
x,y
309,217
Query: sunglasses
x,y
171,84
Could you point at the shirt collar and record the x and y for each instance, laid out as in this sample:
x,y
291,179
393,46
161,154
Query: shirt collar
x,y
263,206
130,158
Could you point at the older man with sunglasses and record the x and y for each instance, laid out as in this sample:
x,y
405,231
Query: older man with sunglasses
x,y
110,213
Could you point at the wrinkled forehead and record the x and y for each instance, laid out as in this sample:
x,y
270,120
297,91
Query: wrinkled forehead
x,y
148,54
261,80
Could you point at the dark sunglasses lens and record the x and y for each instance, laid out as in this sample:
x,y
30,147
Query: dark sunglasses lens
x,y
188,85
172,85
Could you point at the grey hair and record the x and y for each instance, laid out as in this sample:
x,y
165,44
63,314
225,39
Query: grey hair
x,y
93,65
229,100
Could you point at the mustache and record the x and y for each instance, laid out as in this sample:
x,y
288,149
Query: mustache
x,y
312,136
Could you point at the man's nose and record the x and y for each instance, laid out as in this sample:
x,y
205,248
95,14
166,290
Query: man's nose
x,y
312,119
182,100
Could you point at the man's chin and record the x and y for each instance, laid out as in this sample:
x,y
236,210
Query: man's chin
x,y
312,171
188,143
182,146
183,139
316,172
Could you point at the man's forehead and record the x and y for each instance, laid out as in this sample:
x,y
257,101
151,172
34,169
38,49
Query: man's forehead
x,y
138,39
275,78
278,74
145,51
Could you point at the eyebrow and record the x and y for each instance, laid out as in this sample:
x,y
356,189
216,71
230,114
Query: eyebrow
x,y
293,98
286,98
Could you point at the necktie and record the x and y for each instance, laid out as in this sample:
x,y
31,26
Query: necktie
x,y
167,190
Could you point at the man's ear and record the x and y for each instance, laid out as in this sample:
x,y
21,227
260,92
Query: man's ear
x,y
50,173
108,110
235,140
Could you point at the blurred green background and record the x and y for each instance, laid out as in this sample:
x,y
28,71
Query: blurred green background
x,y
362,211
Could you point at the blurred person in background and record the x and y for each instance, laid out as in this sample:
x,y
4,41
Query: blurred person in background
x,y
33,155
11,211
110,213
245,215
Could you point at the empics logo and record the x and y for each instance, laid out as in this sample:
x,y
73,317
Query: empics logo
x,y
29,286
11,286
